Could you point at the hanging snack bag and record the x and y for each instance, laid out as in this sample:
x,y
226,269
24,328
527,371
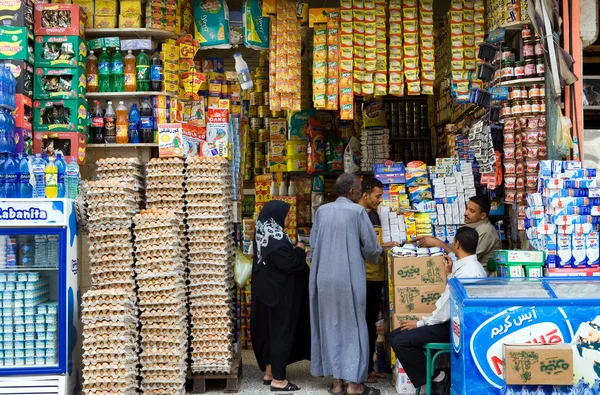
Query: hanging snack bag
x,y
316,146
256,26
212,24
334,147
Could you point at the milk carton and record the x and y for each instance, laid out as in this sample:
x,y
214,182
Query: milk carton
x,y
403,384
565,257
592,249
578,250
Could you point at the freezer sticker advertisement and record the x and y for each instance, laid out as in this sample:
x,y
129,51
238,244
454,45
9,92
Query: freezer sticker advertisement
x,y
22,212
515,325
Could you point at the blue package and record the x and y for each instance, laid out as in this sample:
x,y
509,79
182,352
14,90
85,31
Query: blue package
x,y
571,165
581,183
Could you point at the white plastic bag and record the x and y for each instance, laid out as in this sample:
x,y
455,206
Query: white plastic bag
x,y
242,269
351,154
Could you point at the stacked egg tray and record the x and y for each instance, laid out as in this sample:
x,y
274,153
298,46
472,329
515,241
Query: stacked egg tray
x,y
126,170
111,207
160,274
165,190
209,219
110,342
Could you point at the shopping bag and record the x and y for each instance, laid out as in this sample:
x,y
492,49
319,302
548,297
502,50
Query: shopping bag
x,y
242,268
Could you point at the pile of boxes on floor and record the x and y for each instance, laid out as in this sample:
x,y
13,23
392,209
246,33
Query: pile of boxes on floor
x,y
562,219
418,281
50,72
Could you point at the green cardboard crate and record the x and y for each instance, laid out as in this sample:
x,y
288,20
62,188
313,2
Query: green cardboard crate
x,y
16,43
60,115
59,83
104,42
519,257
60,51
518,270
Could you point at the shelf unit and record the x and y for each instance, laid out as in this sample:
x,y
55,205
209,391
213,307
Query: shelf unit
x,y
130,33
109,95
141,145
522,81
591,108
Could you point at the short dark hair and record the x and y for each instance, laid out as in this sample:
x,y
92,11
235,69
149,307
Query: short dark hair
x,y
369,184
468,239
483,203
345,183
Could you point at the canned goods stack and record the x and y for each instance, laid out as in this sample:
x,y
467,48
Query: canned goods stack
x,y
160,269
209,212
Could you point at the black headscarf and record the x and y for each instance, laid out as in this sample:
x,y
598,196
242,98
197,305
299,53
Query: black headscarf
x,y
270,235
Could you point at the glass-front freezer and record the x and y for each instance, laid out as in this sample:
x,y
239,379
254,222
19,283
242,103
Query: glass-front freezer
x,y
490,312
39,297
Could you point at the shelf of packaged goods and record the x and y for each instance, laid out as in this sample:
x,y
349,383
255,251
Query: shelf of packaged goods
x,y
141,145
109,95
523,81
409,139
27,269
331,174
130,33
591,108
518,25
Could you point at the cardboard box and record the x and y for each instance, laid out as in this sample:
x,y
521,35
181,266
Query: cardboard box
x,y
22,70
130,22
171,140
17,13
65,51
398,318
538,364
415,299
47,85
105,42
16,43
49,12
572,272
519,271
130,7
74,119
23,140
105,8
87,6
71,144
105,21
519,257
24,112
417,271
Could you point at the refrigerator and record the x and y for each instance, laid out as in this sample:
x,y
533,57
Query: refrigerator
x,y
487,313
39,295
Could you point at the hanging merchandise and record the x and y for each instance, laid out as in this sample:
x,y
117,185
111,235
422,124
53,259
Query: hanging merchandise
x,y
256,26
212,24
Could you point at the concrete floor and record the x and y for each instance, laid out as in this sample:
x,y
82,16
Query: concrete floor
x,y
298,373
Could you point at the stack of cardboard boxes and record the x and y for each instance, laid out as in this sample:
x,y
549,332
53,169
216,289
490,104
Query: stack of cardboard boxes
x,y
16,54
163,14
59,90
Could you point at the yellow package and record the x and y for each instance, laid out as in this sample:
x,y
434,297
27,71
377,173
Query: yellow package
x,y
469,40
479,17
129,22
345,4
359,64
380,46
360,4
468,4
370,41
469,53
359,76
426,5
427,42
359,39
409,38
346,65
469,27
380,12
320,68
410,26
413,87
396,90
427,55
105,22
456,16
458,53
357,88
396,65
409,13
380,78
428,76
347,27
371,64
470,64
411,74
468,16
105,7
411,50
395,28
409,3
456,29
358,15
479,29
396,53
381,90
370,53
319,36
427,88
395,4
427,17
427,30
369,4
381,35
368,88
381,63
371,28
320,53
359,27
456,5
369,15
396,78
346,15
346,40
479,5
130,7
411,63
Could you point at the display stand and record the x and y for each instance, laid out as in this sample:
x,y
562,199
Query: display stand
x,y
232,380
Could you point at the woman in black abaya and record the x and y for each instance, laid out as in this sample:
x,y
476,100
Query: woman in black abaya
x,y
280,310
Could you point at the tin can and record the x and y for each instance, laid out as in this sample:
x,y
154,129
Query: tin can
x,y
262,135
256,123
256,99
263,111
225,85
236,108
266,98
215,86
252,111
277,114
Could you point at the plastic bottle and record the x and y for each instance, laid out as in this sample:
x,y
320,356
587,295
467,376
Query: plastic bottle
x,y
11,126
61,167
39,177
41,250
142,67
130,72
52,247
91,66
243,73
146,122
110,125
117,72
12,250
97,124
26,252
25,190
51,179
4,144
72,179
156,73
11,182
122,124
292,189
104,72
3,87
283,189
134,125
3,157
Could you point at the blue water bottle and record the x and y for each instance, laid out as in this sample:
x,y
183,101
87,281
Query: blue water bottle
x,y
61,167
25,190
11,186
134,125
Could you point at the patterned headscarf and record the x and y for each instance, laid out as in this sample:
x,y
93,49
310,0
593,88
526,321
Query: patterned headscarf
x,y
270,235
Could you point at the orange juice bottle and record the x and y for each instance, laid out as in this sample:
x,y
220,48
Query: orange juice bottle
x,y
122,124
130,73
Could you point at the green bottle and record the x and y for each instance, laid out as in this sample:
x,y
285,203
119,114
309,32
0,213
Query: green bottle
x,y
142,67
104,72
117,74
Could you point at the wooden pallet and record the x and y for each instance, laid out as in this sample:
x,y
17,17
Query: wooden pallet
x,y
232,380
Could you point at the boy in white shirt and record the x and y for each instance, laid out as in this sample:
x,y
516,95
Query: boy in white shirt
x,y
408,340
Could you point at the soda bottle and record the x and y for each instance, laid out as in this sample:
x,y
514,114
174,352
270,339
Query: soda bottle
x,y
110,125
97,124
104,72
156,73
146,122
91,66
142,67
25,190
51,179
130,72
122,124
117,72
61,167
134,125
10,170
73,179
39,177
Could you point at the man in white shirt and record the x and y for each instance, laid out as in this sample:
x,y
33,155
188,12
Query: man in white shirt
x,y
408,340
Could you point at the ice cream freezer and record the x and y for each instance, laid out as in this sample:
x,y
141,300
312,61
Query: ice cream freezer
x,y
490,312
